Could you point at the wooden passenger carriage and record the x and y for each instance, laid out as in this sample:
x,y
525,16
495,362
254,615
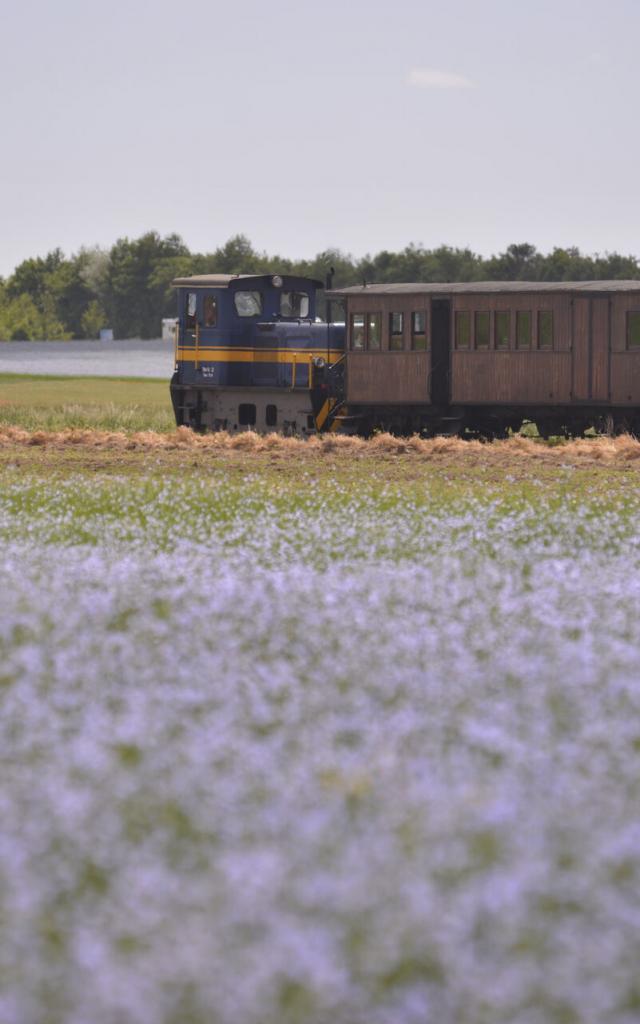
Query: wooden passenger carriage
x,y
486,355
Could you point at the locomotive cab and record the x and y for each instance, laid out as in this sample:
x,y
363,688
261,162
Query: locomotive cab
x,y
245,352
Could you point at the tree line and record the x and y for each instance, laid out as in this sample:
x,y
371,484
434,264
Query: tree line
x,y
128,287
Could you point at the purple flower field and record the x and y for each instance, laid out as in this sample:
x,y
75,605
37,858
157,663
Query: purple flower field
x,y
356,759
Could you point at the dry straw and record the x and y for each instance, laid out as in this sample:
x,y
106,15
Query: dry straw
x,y
602,449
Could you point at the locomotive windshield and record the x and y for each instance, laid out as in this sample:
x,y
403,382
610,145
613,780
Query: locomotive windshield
x,y
294,304
248,303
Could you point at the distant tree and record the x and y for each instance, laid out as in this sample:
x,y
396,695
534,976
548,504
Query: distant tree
x,y
21,320
237,256
56,288
614,267
343,266
138,282
566,265
451,264
30,277
129,287
93,319
519,263
414,263
70,295
93,266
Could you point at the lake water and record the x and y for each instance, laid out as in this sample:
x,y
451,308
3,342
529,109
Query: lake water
x,y
131,358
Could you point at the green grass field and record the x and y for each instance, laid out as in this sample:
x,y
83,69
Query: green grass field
x,y
103,403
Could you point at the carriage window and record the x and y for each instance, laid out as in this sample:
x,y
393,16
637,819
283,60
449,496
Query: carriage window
x,y
633,330
396,331
545,328
357,330
463,329
502,329
190,321
419,330
374,330
248,303
483,321
271,415
523,329
210,311
294,304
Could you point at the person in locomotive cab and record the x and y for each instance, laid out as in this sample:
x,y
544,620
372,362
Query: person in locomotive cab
x,y
286,306
294,304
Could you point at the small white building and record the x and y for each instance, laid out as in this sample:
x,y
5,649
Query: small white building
x,y
169,329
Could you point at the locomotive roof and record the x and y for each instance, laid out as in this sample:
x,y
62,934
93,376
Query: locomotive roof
x,y
483,287
210,280
224,280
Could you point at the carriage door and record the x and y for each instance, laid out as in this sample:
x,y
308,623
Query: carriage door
x,y
591,349
440,350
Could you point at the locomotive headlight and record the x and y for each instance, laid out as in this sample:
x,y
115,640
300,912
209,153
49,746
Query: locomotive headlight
x,y
319,362
277,281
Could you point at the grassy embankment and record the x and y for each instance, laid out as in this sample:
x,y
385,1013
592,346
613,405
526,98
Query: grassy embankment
x,y
101,403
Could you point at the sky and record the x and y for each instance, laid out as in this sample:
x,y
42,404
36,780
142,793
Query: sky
x,y
352,124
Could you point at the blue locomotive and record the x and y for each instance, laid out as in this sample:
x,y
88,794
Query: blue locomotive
x,y
251,354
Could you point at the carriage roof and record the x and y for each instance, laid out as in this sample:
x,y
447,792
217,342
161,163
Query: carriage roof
x,y
483,287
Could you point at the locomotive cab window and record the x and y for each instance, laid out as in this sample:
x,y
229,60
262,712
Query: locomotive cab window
x,y
482,325
294,304
523,329
190,310
633,330
463,329
419,330
210,311
396,332
545,329
248,303
357,330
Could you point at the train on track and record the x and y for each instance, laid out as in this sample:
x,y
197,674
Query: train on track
x,y
474,358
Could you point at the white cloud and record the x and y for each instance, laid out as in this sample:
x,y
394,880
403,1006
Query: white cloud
x,y
429,78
